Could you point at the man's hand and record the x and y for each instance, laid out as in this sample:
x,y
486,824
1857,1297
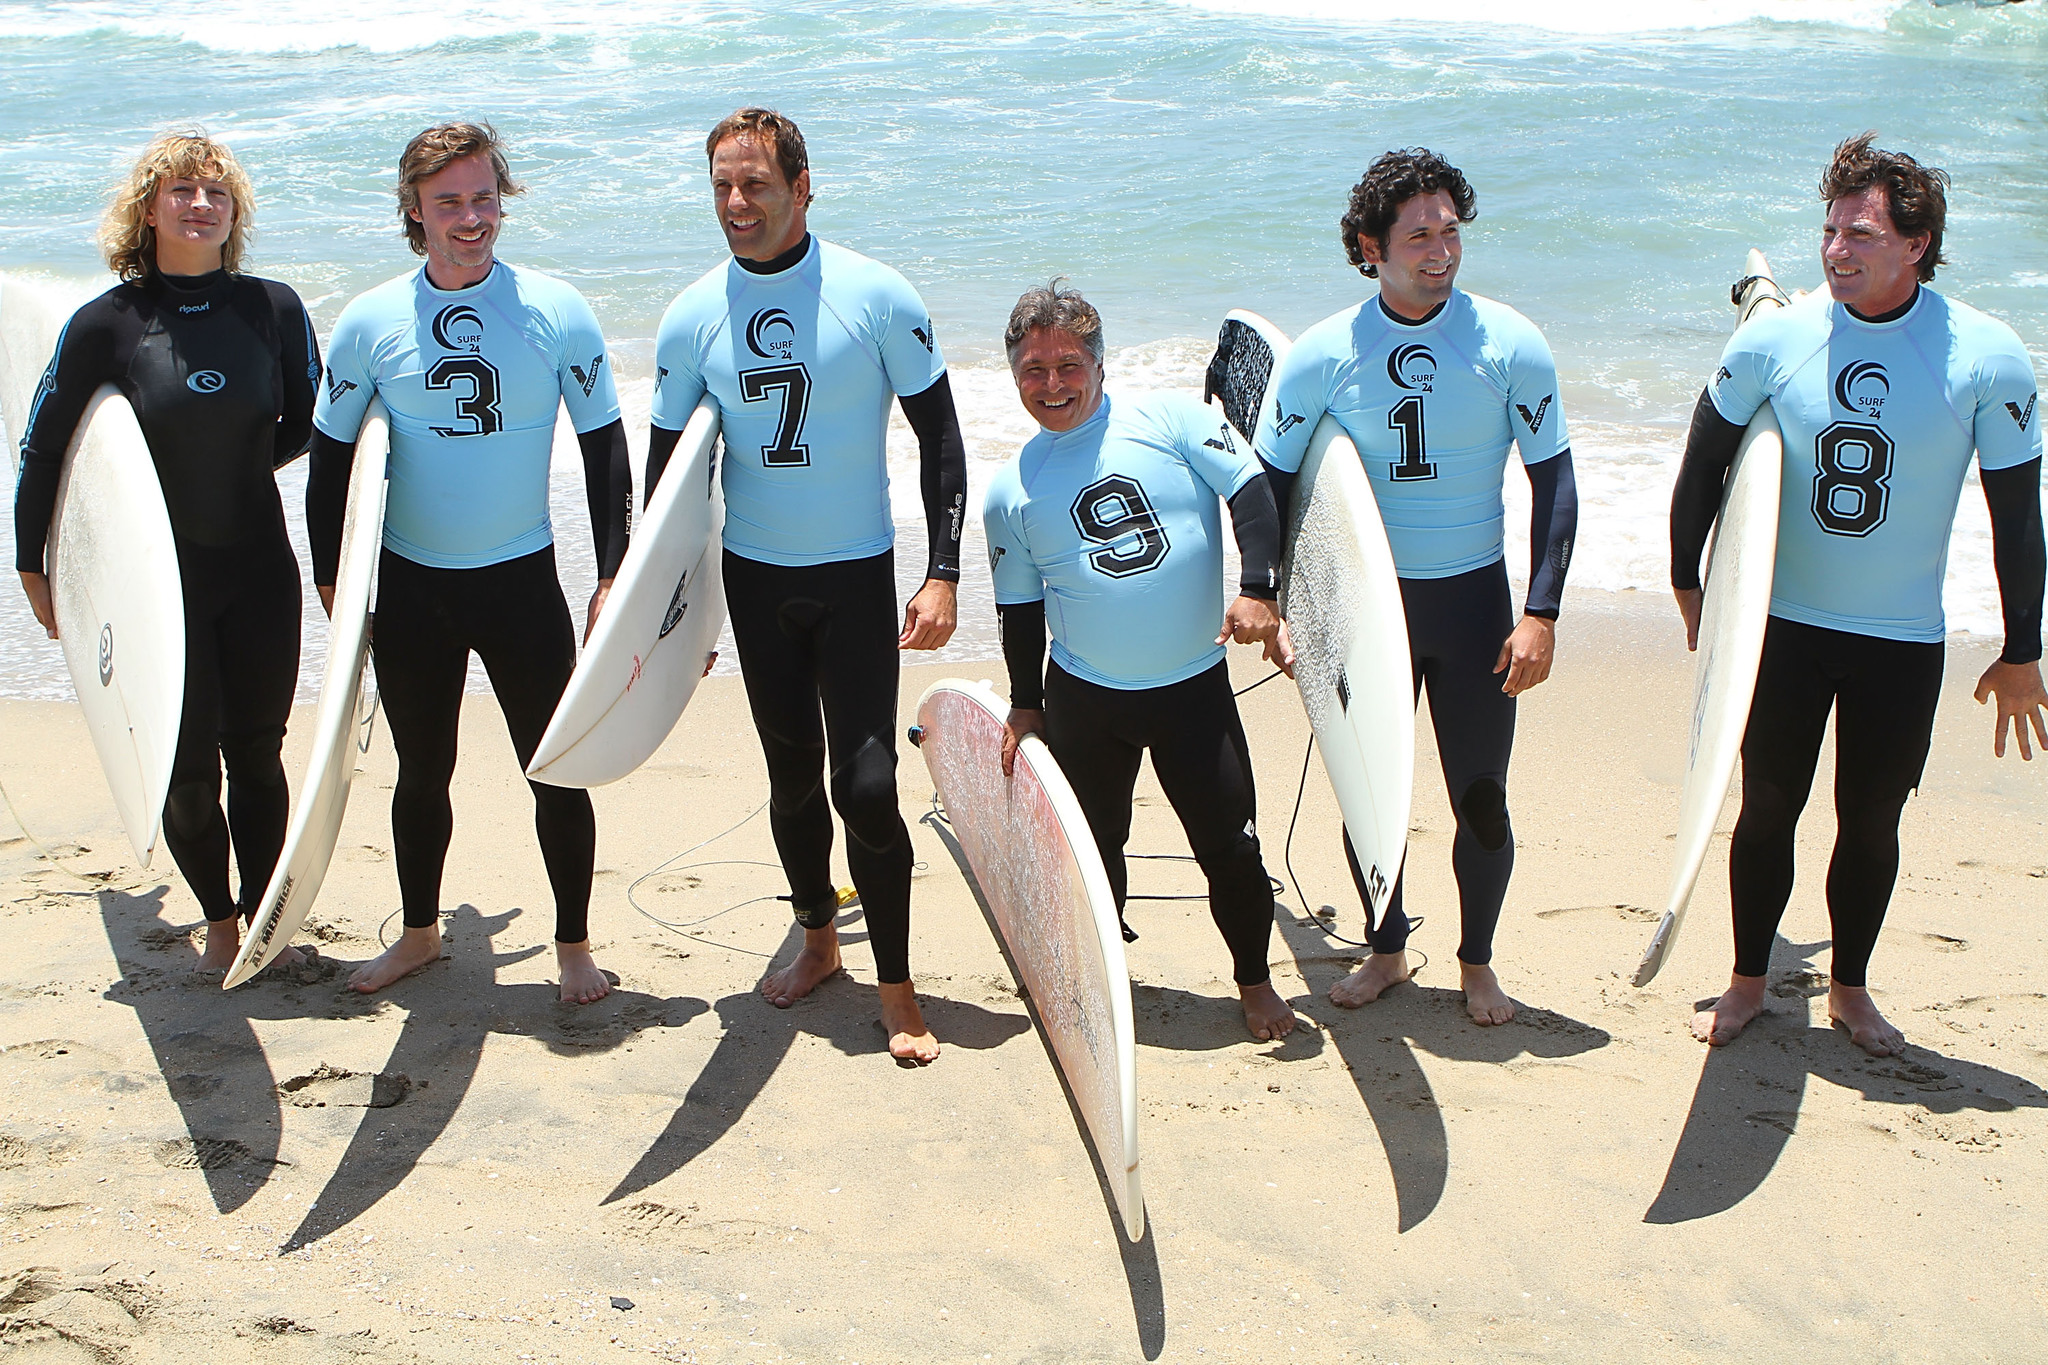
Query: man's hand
x,y
1254,620
597,597
1689,600
37,586
326,591
1019,724
1526,654
929,619
2021,701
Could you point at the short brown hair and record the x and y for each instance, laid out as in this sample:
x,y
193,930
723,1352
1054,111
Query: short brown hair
x,y
774,131
433,152
1391,181
1915,195
126,238
1056,307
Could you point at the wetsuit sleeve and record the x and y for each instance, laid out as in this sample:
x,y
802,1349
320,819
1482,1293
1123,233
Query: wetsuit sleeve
x,y
1553,526
942,474
585,369
1696,497
1534,411
299,362
83,361
1282,482
661,443
1022,625
327,471
608,483
2018,554
1301,395
909,347
1257,524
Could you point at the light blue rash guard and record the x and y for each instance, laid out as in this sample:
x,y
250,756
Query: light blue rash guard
x,y
803,364
1880,420
1115,524
472,379
1432,408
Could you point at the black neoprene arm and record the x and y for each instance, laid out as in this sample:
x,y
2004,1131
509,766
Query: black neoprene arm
x,y
1257,523
608,483
1023,629
299,363
1553,527
661,443
942,473
327,470
1281,481
1696,496
2019,555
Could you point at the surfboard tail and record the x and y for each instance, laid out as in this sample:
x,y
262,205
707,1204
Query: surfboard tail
x,y
1660,945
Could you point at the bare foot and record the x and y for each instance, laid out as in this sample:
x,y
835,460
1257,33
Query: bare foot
x,y
818,959
903,1021
1372,980
582,982
1265,1013
1730,1015
223,942
1485,1001
1851,1008
415,949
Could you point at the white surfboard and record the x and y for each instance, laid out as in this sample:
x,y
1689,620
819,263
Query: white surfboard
x,y
659,629
1737,607
1038,868
113,570
340,721
1342,602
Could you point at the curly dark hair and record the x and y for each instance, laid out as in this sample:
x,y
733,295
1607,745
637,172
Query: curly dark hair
x,y
1391,181
1916,195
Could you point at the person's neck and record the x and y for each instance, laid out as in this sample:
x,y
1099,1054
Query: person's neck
x,y
1398,310
178,259
781,261
454,278
1892,314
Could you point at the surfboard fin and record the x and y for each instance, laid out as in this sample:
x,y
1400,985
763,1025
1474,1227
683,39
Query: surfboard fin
x,y
1653,956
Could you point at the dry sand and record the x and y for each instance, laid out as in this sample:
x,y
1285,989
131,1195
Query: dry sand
x,y
686,1172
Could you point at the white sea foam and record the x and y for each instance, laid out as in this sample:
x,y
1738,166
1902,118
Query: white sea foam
x,y
1579,16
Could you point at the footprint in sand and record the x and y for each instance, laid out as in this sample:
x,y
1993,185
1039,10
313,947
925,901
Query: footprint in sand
x,y
326,1086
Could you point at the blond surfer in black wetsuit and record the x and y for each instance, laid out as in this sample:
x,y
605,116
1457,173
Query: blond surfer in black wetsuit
x,y
221,369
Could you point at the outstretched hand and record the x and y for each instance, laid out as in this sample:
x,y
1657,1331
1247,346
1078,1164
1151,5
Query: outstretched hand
x,y
1254,620
1525,655
2021,702
929,619
1019,724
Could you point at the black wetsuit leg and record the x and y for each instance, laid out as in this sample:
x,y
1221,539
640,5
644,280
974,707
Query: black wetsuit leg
x,y
1455,630
515,617
241,670
1883,694
817,635
1098,734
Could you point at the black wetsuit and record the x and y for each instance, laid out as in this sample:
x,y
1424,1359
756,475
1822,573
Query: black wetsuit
x,y
221,371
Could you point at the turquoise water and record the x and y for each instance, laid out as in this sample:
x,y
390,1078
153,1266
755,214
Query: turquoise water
x,y
1176,159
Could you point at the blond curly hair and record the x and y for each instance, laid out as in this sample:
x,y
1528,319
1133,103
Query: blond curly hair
x,y
128,241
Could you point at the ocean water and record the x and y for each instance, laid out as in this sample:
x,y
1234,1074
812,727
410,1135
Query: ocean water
x,y
1176,158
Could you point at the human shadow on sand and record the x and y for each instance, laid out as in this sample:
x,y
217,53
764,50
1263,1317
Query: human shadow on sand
x,y
205,1048
1140,1258
1745,1108
451,1008
1379,1043
755,1036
